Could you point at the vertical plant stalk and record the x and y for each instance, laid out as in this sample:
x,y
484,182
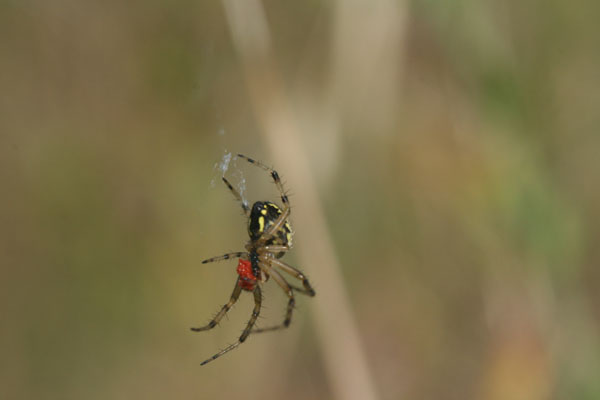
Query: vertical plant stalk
x,y
341,348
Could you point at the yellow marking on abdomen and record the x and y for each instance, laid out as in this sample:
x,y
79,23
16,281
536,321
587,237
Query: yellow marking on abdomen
x,y
261,224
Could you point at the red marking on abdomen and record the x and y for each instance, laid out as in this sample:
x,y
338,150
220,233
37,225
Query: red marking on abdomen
x,y
247,279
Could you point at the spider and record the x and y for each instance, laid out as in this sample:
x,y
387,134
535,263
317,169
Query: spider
x,y
270,238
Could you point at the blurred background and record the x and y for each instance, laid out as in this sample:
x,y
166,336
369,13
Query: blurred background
x,y
448,152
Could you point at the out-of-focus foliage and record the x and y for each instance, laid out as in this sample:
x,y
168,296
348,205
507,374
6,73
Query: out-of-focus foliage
x,y
460,184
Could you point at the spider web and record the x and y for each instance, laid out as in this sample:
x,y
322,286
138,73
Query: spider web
x,y
223,166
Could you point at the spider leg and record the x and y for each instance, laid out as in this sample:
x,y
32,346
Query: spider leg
x,y
276,249
278,223
246,332
234,297
274,175
291,302
296,274
238,196
227,256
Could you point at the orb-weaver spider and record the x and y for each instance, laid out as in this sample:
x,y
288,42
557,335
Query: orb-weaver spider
x,y
270,238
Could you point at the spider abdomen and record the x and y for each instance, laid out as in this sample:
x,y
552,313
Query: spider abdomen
x,y
262,217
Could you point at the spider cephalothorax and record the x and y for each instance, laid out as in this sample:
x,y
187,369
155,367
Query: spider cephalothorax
x,y
270,238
